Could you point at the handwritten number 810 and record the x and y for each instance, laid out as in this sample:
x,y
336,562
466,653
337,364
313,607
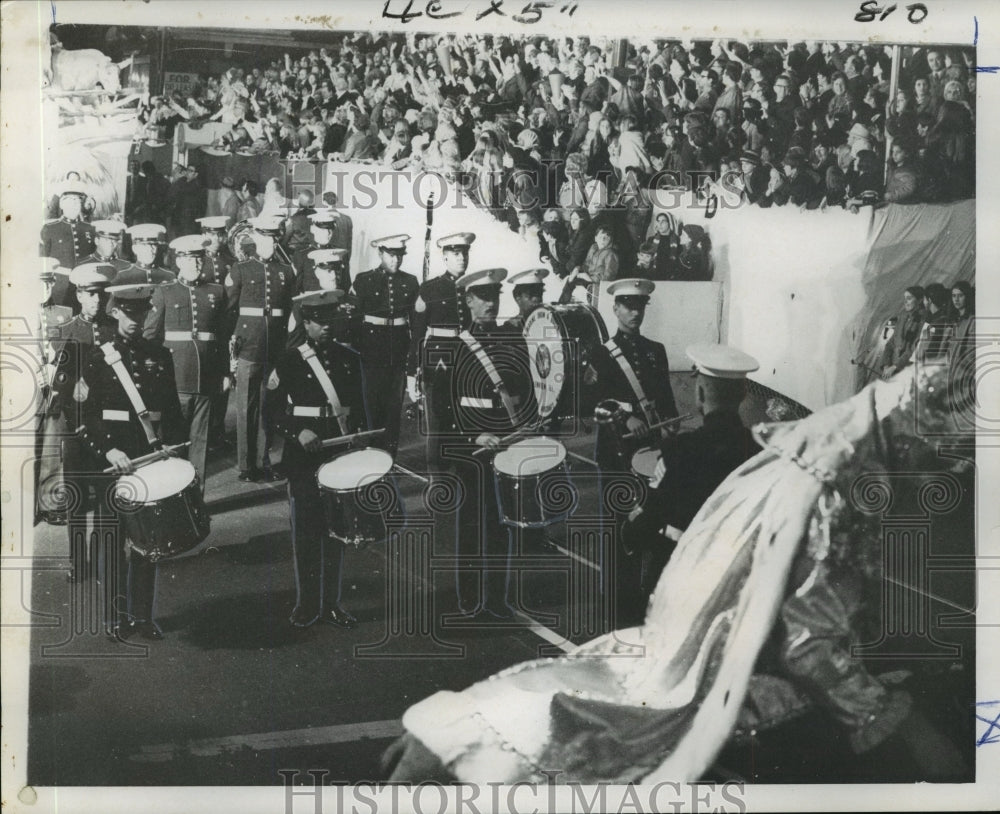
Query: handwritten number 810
x,y
915,12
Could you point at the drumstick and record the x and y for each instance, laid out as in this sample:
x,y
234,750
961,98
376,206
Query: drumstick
x,y
347,439
578,457
404,471
660,424
159,455
508,438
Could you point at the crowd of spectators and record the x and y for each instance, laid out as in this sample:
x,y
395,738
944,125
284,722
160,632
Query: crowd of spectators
x,y
559,135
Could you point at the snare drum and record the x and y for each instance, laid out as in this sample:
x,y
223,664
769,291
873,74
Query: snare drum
x,y
352,485
162,508
561,339
644,463
532,483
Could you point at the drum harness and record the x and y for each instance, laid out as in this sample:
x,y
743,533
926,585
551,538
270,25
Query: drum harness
x,y
648,409
114,360
477,349
339,412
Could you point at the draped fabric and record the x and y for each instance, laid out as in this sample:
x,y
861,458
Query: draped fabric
x,y
659,701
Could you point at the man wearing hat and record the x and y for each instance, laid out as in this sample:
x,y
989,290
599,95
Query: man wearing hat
x,y
481,396
186,202
438,313
189,317
630,373
49,426
68,238
73,342
147,238
317,389
327,267
385,299
694,463
528,289
217,260
258,295
331,229
107,245
754,176
129,407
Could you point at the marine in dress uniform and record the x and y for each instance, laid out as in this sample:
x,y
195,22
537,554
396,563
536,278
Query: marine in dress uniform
x,y
147,238
129,407
438,314
385,297
107,249
480,398
629,382
189,318
73,342
68,239
308,410
330,229
327,269
50,426
693,464
218,258
259,299
214,269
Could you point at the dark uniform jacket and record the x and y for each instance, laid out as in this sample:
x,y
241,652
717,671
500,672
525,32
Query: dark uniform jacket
x,y
471,404
293,384
69,242
649,362
155,275
443,307
297,233
385,296
190,321
215,267
696,463
267,291
109,420
73,342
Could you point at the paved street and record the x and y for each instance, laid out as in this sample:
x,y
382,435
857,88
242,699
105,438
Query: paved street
x,y
235,694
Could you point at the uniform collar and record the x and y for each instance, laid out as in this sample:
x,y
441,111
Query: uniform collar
x,y
621,336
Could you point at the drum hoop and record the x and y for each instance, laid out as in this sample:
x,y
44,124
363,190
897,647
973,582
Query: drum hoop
x,y
643,451
543,444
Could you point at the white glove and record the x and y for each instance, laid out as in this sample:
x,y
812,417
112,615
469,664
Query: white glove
x,y
412,390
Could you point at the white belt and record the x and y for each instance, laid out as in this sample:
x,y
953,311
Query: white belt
x,y
485,404
386,321
326,411
442,331
181,336
124,415
261,312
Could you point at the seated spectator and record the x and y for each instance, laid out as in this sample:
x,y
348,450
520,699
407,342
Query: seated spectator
x,y
803,186
903,183
939,325
601,262
949,158
961,350
777,193
909,324
864,180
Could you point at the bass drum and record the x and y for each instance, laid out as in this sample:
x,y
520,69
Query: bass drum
x,y
562,340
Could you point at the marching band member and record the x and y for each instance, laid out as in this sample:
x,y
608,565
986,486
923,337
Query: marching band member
x,y
481,398
218,258
529,288
75,341
630,372
330,229
68,238
694,463
146,241
318,393
438,314
129,407
189,317
326,267
49,427
633,371
258,295
107,245
385,298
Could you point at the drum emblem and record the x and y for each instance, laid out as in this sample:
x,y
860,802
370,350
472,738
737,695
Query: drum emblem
x,y
543,361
